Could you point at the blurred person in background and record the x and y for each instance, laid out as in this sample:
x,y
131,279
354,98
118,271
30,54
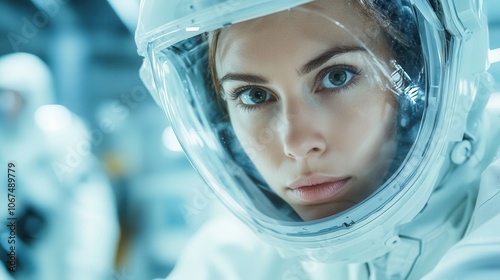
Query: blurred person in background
x,y
66,224
350,136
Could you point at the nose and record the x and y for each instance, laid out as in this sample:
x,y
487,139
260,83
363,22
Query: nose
x,y
303,134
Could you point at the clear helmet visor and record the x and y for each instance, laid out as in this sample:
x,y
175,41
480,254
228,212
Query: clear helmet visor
x,y
305,121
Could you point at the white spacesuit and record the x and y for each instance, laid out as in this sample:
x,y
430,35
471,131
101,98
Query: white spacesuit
x,y
350,137
65,218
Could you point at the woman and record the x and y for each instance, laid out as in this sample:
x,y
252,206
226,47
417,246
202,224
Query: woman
x,y
332,140
336,130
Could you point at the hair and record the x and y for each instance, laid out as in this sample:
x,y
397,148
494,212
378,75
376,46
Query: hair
x,y
213,42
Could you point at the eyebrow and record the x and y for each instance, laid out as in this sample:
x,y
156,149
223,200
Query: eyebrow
x,y
249,78
307,68
327,55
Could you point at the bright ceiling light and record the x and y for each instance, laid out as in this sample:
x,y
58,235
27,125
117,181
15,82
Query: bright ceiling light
x,y
494,55
170,140
494,101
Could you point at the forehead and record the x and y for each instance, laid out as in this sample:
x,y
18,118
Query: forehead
x,y
315,26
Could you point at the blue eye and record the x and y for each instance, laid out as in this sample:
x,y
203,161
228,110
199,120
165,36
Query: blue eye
x,y
336,78
254,96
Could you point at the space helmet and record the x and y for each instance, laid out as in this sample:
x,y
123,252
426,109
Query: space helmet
x,y
322,125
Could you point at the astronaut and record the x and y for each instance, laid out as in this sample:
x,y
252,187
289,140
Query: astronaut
x,y
63,207
349,138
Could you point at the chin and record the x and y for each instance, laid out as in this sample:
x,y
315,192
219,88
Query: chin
x,y
316,212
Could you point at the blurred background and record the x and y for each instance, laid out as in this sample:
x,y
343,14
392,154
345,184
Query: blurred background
x,y
103,190
118,199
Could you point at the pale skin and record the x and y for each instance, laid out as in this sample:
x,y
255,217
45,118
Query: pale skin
x,y
314,101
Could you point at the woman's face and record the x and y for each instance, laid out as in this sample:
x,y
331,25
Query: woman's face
x,y
310,104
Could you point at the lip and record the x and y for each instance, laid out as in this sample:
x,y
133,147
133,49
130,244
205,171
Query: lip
x,y
317,188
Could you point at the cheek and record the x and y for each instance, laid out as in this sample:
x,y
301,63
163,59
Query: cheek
x,y
257,136
365,128
260,143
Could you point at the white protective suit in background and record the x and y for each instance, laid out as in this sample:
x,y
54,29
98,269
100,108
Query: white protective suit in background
x,y
66,223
